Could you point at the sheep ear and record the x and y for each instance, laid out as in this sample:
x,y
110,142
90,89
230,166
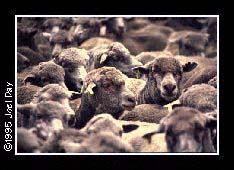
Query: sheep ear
x,y
189,66
46,35
90,87
211,119
141,69
29,79
103,58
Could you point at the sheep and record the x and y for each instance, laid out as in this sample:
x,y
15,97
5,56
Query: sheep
x,y
95,41
21,76
65,141
164,76
104,142
74,61
75,141
187,130
47,117
55,92
206,68
103,122
46,73
27,142
151,113
113,55
59,39
52,92
33,56
202,75
104,91
201,96
25,35
134,132
188,43
26,93
149,38
146,57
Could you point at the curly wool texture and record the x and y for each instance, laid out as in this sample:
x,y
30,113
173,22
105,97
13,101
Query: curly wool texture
x,y
114,50
202,76
109,73
49,70
146,57
151,113
95,41
202,97
73,56
54,90
50,109
105,142
26,93
101,123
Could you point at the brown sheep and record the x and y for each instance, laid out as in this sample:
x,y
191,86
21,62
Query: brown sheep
x,y
46,73
164,80
113,55
104,92
187,130
151,113
74,62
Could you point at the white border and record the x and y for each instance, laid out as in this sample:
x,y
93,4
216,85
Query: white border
x,y
140,153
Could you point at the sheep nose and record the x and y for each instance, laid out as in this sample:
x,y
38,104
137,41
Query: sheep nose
x,y
169,87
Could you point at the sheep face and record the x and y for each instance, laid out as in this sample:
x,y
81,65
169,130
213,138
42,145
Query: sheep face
x,y
110,93
187,130
46,73
73,61
164,77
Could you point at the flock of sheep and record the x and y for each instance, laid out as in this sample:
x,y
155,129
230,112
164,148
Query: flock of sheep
x,y
116,84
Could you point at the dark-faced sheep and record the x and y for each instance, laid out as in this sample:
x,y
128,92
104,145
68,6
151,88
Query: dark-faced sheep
x,y
187,130
74,62
113,55
164,80
104,92
46,73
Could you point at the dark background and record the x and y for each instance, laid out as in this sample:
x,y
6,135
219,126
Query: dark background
x,y
7,46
